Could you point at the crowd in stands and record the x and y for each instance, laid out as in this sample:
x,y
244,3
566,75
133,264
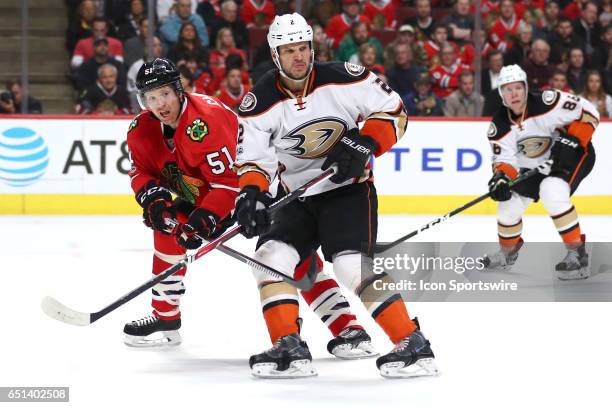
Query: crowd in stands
x,y
426,50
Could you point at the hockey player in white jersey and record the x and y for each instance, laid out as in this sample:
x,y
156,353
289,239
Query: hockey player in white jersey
x,y
529,129
304,115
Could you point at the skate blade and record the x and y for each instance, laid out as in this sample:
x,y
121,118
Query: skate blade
x,y
168,339
424,367
580,274
297,369
350,352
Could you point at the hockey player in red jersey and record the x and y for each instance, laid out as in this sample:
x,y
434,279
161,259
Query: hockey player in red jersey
x,y
304,115
184,144
528,130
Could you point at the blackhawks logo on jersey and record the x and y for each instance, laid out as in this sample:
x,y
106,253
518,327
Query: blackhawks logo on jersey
x,y
197,130
184,186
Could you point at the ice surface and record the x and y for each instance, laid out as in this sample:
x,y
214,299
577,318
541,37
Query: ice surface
x,y
490,354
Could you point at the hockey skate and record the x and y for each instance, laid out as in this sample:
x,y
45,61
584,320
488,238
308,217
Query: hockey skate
x,y
502,260
151,331
288,358
352,344
575,265
411,357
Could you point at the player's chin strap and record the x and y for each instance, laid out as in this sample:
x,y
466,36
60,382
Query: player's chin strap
x,y
60,312
543,168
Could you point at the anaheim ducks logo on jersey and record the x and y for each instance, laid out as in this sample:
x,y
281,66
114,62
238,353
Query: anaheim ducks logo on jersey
x,y
314,139
535,146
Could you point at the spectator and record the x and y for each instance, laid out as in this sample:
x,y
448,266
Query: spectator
x,y
572,9
133,72
559,81
87,73
232,90
12,98
489,10
432,46
81,27
319,38
349,47
129,27
166,8
605,17
464,101
423,20
505,26
172,26
188,44
225,46
324,54
106,88
520,46
368,58
587,28
548,22
406,35
576,71
381,14
84,48
594,93
537,67
562,40
402,74
187,81
495,62
258,13
340,24
133,49
202,78
602,57
229,19
460,22
446,74
209,10
422,101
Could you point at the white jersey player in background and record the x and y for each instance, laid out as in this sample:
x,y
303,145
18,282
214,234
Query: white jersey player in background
x,y
304,115
529,129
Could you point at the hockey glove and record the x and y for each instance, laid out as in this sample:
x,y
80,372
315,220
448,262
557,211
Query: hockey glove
x,y
251,214
156,203
499,187
351,153
200,225
566,154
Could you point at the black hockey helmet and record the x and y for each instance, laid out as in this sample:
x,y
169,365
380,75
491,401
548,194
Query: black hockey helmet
x,y
155,74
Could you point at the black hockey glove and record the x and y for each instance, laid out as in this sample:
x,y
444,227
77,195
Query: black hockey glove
x,y
351,153
566,154
499,187
156,203
200,225
251,214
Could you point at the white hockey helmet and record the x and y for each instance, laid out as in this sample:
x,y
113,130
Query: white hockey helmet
x,y
508,75
289,29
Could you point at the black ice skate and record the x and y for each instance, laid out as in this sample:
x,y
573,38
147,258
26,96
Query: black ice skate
x,y
502,260
151,331
575,265
411,357
288,358
352,344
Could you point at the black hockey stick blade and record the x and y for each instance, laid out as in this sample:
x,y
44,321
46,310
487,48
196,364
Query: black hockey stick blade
x,y
530,173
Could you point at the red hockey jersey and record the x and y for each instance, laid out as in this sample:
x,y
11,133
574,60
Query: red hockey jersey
x,y
256,14
232,101
501,32
196,162
446,79
381,15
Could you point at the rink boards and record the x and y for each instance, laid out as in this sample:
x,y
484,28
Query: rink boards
x,y
72,165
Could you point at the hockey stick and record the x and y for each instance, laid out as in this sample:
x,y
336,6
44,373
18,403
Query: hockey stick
x,y
58,311
530,173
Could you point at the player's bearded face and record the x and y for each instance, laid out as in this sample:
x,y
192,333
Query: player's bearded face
x,y
515,96
295,59
164,103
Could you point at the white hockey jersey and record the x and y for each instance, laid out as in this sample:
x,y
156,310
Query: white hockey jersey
x,y
527,144
298,132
